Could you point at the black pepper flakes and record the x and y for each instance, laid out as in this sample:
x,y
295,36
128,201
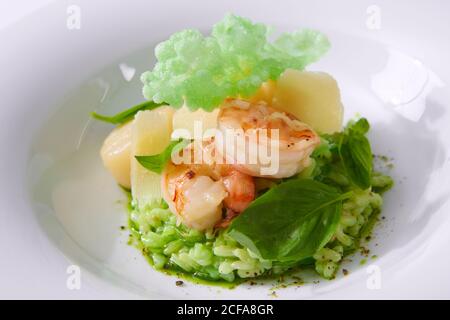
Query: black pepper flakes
x,y
190,174
179,283
364,251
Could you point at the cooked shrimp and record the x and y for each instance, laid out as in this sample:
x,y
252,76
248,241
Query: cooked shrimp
x,y
241,192
193,195
197,193
239,186
296,140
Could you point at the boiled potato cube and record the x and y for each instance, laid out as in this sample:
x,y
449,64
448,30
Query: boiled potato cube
x,y
115,154
265,92
150,135
313,97
184,121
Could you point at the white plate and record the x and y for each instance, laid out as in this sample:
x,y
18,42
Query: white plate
x,y
59,207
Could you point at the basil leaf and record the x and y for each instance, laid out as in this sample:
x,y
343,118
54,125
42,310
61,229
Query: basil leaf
x,y
157,162
356,154
291,221
361,126
128,114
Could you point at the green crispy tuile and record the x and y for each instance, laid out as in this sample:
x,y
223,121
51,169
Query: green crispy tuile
x,y
202,71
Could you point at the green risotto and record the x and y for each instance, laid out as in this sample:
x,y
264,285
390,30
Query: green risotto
x,y
345,203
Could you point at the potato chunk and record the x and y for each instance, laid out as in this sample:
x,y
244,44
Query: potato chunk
x,y
150,136
313,97
184,122
265,93
115,154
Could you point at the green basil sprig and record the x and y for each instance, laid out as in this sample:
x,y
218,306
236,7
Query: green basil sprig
x,y
356,154
157,162
128,114
291,221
